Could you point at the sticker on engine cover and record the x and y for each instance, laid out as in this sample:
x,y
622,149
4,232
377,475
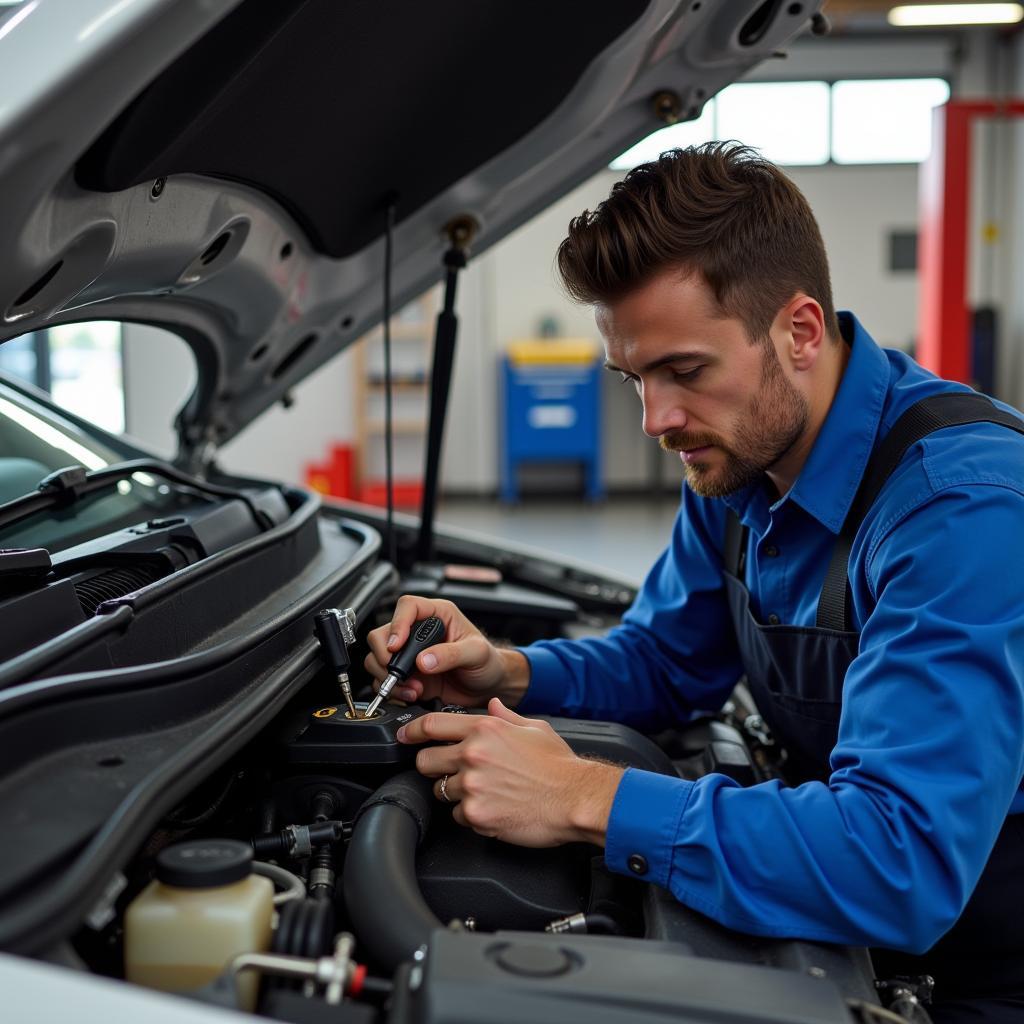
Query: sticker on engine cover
x,y
325,712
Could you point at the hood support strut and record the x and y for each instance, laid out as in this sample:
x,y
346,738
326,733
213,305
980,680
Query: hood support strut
x,y
455,258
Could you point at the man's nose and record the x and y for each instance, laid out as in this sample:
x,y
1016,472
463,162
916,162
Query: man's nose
x,y
660,414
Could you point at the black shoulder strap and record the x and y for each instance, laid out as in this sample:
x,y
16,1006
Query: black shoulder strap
x,y
735,545
920,420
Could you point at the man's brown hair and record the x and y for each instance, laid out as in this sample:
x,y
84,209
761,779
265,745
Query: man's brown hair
x,y
719,209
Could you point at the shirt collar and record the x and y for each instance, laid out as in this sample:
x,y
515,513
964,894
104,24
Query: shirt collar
x,y
832,473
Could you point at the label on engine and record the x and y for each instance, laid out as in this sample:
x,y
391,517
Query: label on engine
x,y
325,712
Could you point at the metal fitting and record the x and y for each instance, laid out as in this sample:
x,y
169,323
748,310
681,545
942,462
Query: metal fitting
x,y
575,924
335,972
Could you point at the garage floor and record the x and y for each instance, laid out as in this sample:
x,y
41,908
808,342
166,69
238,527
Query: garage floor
x,y
624,535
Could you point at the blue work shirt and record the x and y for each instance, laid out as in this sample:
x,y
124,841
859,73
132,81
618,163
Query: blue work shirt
x,y
930,753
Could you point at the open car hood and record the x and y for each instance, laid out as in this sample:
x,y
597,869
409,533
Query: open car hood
x,y
224,168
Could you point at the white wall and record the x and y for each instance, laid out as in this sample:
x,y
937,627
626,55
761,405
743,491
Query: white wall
x,y
519,289
159,374
857,208
280,443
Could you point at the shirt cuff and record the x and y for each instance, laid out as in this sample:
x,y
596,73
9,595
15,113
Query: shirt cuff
x,y
548,683
643,824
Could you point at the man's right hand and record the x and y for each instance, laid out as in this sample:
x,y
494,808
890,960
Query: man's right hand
x,y
465,669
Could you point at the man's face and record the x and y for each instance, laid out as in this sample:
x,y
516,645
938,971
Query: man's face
x,y
725,404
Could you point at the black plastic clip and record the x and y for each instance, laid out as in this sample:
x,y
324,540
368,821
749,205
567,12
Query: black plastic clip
x,y
24,562
69,482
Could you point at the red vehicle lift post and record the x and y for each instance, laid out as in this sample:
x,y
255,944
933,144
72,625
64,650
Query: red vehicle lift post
x,y
944,340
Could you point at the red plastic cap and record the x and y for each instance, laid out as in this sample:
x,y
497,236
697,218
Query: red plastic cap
x,y
358,977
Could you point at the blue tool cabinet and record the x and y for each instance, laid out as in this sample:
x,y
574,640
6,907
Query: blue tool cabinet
x,y
552,413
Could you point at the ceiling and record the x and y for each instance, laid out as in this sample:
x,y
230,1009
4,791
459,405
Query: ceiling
x,y
855,16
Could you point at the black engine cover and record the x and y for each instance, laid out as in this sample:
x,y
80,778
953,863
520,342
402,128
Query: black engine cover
x,y
509,978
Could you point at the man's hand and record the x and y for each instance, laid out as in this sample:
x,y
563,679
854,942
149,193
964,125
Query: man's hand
x,y
514,778
466,669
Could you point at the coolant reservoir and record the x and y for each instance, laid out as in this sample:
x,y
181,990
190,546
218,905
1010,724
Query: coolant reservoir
x,y
204,908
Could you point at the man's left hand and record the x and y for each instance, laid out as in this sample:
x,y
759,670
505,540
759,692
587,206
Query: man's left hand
x,y
514,778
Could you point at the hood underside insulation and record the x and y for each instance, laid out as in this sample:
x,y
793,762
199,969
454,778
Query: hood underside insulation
x,y
337,109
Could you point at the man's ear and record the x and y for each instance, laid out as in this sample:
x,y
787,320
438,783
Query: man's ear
x,y
802,324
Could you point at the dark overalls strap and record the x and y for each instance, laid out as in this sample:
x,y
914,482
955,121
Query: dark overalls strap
x,y
734,553
920,420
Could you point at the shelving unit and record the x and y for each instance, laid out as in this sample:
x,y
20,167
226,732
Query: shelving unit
x,y
412,338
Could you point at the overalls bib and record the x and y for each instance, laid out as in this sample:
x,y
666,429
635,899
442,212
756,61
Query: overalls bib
x,y
796,676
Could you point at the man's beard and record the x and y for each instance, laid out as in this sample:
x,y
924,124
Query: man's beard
x,y
774,422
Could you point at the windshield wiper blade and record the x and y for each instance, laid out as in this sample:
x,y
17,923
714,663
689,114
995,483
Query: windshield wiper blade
x,y
66,486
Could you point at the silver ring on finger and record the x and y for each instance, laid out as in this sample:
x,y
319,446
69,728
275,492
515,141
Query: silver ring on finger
x,y
444,790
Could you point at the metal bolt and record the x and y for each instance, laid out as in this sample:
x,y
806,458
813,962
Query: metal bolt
x,y
667,106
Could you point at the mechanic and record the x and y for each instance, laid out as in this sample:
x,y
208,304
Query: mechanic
x,y
904,716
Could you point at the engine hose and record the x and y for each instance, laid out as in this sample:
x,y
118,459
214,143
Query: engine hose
x,y
305,928
281,942
388,913
602,924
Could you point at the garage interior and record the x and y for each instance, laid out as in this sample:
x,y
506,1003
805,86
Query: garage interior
x,y
406,754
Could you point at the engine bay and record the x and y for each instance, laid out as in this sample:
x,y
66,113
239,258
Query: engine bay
x,y
372,903
383,902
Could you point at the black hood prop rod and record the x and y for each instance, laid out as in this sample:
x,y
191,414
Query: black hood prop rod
x,y
460,232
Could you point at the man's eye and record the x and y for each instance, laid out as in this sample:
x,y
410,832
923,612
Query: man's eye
x,y
628,378
687,376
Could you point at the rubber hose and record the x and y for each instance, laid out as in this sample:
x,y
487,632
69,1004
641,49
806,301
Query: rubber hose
x,y
602,924
388,913
322,932
282,940
283,936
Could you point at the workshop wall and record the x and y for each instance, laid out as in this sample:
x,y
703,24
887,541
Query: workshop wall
x,y
280,443
159,375
857,208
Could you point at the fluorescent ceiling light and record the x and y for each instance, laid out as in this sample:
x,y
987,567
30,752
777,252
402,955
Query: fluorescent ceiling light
x,y
918,15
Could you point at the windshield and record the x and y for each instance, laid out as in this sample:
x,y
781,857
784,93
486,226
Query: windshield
x,y
34,442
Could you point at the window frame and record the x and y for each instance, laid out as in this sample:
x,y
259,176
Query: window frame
x,y
830,81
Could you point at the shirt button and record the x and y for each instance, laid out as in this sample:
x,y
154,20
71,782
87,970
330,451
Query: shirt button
x,y
771,551
773,619
637,864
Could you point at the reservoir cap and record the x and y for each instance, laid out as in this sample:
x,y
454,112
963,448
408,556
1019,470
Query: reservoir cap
x,y
204,863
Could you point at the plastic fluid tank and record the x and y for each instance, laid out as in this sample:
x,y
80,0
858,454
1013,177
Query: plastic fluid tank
x,y
203,909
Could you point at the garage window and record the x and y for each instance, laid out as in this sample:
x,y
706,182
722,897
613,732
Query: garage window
x,y
885,121
869,121
78,364
786,121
